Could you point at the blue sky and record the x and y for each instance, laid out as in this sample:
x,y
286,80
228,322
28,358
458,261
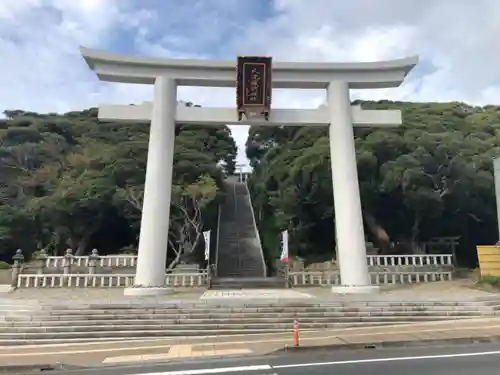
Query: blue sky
x,y
41,69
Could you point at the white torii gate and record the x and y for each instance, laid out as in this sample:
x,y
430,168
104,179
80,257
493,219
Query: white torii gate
x,y
164,112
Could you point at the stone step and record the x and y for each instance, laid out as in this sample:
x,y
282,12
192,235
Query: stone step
x,y
248,282
130,338
22,310
79,325
100,335
304,317
332,316
239,248
242,305
236,285
198,326
161,321
18,342
256,311
236,309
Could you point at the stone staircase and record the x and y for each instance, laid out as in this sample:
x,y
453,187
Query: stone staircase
x,y
240,259
105,321
248,283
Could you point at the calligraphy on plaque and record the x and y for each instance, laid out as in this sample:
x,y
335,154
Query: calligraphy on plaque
x,y
253,86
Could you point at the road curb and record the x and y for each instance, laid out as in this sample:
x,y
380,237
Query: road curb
x,y
23,368
390,344
14,369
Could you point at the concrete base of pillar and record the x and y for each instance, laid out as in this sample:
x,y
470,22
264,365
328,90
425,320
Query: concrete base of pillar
x,y
6,288
146,292
355,289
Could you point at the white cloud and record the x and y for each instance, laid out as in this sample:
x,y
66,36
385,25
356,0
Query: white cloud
x,y
456,39
40,65
41,70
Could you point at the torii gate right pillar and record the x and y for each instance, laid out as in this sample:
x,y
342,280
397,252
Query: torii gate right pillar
x,y
351,244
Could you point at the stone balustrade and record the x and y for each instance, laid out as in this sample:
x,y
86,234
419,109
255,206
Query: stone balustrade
x,y
378,278
298,279
308,278
415,269
105,281
379,263
412,260
69,263
104,261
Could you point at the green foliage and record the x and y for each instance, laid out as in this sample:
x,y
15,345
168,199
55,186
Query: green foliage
x,y
490,280
4,266
431,177
72,181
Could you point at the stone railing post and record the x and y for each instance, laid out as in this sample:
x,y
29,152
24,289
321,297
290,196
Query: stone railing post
x,y
67,263
41,260
16,267
211,275
286,272
93,259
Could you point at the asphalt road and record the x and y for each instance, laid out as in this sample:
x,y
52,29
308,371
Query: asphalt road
x,y
483,359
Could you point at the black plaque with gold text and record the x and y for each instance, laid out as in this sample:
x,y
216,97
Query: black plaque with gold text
x,y
254,84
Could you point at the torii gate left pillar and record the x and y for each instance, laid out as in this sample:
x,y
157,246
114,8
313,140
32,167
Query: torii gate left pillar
x,y
164,112
153,239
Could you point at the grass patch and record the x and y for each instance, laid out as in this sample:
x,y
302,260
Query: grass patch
x,y
487,283
490,280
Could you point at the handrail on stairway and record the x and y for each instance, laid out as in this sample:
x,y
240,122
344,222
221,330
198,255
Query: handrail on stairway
x,y
217,242
256,229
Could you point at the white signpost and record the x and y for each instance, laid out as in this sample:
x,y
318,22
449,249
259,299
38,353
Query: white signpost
x,y
284,247
206,237
164,112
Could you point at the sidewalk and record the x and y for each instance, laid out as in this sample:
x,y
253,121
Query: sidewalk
x,y
107,353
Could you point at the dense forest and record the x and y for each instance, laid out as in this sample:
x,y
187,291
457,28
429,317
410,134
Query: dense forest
x,y
68,180
71,181
432,177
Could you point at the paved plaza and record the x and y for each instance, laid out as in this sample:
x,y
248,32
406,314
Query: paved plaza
x,y
446,290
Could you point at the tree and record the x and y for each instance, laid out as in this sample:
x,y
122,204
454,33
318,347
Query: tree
x,y
431,177
186,213
62,178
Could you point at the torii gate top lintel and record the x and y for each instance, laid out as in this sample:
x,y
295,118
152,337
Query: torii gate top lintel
x,y
113,67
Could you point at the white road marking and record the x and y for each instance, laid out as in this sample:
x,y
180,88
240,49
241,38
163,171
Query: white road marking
x,y
179,351
221,370
374,360
125,358
213,370
175,352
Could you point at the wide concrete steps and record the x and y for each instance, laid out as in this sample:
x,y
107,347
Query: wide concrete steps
x,y
108,322
221,321
209,319
31,324
31,334
112,330
33,338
